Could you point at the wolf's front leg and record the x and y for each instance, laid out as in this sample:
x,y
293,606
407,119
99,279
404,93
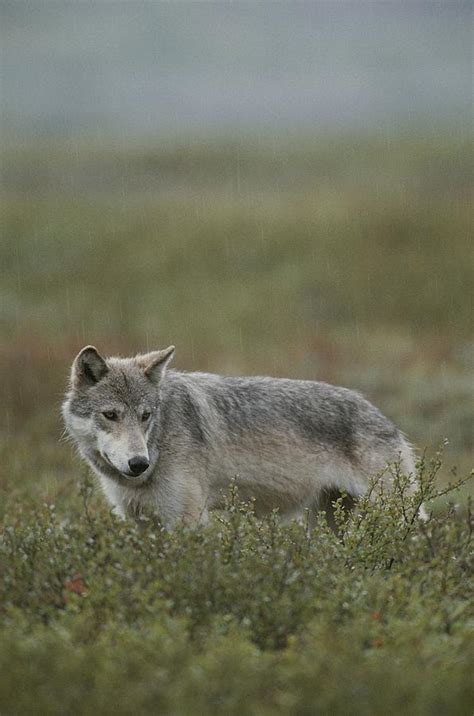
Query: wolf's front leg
x,y
180,498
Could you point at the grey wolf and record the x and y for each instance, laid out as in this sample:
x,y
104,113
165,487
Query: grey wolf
x,y
169,443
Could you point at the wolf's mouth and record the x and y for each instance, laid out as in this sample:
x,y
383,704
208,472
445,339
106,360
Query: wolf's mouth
x,y
126,475
109,462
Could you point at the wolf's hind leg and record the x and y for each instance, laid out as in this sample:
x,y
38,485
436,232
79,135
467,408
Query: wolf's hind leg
x,y
326,501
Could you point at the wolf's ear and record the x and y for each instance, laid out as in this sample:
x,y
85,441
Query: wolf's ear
x,y
155,363
88,367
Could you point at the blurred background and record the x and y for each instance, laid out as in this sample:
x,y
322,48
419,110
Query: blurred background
x,y
277,188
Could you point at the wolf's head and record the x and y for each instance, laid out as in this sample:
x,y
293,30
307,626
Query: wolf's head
x,y
111,411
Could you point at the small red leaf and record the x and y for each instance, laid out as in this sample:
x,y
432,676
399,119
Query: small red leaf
x,y
75,585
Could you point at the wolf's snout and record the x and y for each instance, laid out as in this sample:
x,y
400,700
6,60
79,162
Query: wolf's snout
x,y
138,465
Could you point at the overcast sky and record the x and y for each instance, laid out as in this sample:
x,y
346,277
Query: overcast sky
x,y
150,67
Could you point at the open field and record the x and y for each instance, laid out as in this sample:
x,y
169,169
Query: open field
x,y
345,259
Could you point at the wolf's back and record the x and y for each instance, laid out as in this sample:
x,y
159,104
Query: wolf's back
x,y
310,411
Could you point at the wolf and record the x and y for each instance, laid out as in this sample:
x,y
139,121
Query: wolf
x,y
169,443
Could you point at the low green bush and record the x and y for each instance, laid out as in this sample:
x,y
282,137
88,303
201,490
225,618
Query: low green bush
x,y
244,616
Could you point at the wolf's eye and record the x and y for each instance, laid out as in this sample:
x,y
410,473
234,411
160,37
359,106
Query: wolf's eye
x,y
146,416
110,414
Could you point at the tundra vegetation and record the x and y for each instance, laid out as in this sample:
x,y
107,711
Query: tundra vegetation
x,y
340,259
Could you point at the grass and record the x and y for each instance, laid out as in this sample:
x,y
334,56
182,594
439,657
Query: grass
x,y
336,258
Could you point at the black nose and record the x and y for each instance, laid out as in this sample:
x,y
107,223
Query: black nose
x,y
138,465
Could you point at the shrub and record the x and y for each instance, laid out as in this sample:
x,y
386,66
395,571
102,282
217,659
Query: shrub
x,y
245,616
